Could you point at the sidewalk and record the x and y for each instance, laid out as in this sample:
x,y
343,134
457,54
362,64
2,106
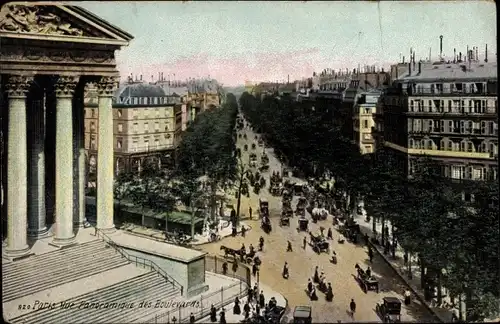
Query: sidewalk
x,y
158,235
232,318
444,314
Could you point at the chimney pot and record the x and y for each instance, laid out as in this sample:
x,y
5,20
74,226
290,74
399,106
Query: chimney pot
x,y
419,67
486,54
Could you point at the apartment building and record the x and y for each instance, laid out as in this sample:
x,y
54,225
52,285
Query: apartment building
x,y
331,80
363,120
447,111
146,123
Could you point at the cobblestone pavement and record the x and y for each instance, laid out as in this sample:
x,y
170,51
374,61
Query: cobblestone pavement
x,y
302,262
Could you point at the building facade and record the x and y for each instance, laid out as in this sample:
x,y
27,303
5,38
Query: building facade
x,y
146,123
447,111
363,121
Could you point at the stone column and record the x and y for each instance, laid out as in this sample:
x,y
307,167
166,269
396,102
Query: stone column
x,y
37,215
64,87
105,208
17,173
79,158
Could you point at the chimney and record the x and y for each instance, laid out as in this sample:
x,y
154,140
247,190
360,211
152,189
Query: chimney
x,y
403,60
409,68
486,54
468,53
288,79
454,55
460,57
419,67
477,55
441,47
430,54
141,78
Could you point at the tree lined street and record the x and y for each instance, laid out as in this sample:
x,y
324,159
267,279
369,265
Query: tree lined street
x,y
302,261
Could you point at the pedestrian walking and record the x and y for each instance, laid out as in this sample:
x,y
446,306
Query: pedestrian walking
x,y
192,318
289,247
407,295
250,211
304,243
352,307
370,254
243,231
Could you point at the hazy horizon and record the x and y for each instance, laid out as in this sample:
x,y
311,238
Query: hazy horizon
x,y
267,41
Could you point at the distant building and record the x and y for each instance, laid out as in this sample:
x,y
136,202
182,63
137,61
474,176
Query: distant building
x,y
363,121
447,111
146,121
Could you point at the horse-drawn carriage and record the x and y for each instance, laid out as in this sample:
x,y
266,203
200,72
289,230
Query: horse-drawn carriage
x,y
366,279
389,310
275,189
252,160
265,224
300,208
254,146
263,208
319,243
284,220
303,224
245,147
245,136
319,214
351,230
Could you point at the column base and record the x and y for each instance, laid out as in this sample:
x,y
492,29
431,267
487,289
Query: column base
x,y
79,224
17,254
39,233
63,242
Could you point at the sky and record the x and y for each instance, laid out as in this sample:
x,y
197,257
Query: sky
x,y
235,42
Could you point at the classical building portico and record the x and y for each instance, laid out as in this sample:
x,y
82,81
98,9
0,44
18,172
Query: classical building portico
x,y
48,54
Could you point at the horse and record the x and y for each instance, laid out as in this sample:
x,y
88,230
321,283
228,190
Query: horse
x,y
361,272
229,251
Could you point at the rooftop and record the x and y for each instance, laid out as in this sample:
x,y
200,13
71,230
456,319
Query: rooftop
x,y
453,71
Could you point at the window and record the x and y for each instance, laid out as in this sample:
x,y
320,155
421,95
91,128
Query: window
x,y
92,126
462,146
368,149
365,123
135,112
483,106
120,128
146,112
146,128
477,174
470,147
157,143
450,126
457,171
92,111
135,145
450,105
92,142
136,128
442,145
462,127
430,125
483,127
157,127
119,144
119,113
441,126
157,110
146,145
412,105
450,146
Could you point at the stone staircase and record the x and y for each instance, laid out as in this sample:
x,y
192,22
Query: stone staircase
x,y
148,287
44,271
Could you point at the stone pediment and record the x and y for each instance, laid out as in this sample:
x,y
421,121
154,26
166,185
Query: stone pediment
x,y
57,22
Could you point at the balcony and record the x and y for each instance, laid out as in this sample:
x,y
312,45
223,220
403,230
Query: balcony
x,y
442,153
488,112
450,93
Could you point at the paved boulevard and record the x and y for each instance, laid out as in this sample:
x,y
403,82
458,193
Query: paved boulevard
x,y
302,262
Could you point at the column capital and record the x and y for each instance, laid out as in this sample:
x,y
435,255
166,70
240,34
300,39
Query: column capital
x,y
106,86
65,86
18,86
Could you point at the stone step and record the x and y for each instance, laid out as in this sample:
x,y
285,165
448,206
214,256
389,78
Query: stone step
x,y
28,268
147,287
36,278
61,265
49,257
